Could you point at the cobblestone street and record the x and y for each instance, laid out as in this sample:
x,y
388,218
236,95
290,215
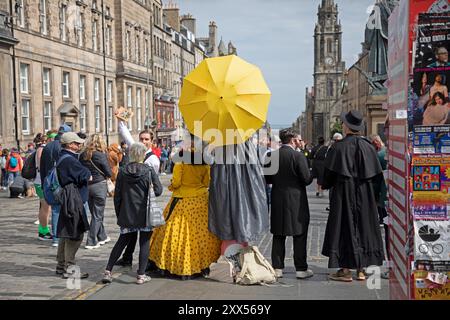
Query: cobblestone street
x,y
27,265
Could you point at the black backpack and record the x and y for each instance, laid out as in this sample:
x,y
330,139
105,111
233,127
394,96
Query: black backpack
x,y
29,171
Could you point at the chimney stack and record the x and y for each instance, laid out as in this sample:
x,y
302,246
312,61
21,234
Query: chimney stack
x,y
172,14
189,22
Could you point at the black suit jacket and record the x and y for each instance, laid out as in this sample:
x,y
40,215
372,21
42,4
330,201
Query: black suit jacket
x,y
289,209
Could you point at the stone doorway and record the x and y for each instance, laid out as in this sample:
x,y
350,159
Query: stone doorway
x,y
69,114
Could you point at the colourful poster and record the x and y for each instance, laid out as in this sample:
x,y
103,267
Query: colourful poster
x,y
431,187
430,285
432,240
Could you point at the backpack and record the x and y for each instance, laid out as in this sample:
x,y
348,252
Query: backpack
x,y
51,186
255,269
12,162
29,167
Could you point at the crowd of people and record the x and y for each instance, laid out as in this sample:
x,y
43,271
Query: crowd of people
x,y
214,200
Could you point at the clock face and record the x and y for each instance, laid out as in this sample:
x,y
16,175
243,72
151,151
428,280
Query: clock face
x,y
329,61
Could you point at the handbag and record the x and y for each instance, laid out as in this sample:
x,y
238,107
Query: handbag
x,y
155,213
109,184
255,269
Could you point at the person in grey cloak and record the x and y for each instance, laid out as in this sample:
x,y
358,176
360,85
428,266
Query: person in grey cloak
x,y
237,194
353,236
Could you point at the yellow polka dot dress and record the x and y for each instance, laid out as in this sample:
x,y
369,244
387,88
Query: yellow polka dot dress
x,y
184,246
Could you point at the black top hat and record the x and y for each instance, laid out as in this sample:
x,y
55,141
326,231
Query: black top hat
x,y
353,119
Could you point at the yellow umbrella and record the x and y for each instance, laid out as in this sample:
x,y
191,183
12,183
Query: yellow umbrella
x,y
224,93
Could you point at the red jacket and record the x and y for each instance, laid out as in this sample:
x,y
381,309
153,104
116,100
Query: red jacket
x,y
19,166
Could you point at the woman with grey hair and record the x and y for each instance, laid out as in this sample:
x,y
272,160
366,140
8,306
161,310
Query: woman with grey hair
x,y
133,184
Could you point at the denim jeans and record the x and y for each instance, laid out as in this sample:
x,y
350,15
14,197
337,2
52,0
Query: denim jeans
x,y
11,177
4,179
55,215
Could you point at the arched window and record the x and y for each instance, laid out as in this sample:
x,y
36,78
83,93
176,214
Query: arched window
x,y
330,89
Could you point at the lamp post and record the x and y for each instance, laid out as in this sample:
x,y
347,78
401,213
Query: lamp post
x,y
13,57
105,90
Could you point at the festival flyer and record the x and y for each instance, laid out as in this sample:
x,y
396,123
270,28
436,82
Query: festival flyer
x,y
433,35
431,187
431,139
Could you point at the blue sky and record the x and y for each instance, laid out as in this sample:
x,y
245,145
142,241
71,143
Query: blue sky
x,y
277,36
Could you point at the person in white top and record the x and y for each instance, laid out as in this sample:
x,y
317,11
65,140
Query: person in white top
x,y
145,137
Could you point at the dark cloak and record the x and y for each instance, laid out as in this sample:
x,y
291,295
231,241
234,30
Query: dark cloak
x,y
353,237
237,194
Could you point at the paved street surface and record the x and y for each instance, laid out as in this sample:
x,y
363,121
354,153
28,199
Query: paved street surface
x,y
27,265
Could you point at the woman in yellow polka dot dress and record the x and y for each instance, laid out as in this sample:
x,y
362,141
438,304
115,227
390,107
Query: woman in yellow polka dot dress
x,y
184,246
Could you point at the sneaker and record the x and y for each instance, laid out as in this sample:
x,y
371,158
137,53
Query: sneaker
x,y
45,237
304,274
108,239
107,277
36,222
279,273
60,271
360,275
205,272
141,279
55,244
317,194
123,263
164,174
92,247
385,275
340,275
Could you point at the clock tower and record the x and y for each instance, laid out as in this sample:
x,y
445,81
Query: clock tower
x,y
328,68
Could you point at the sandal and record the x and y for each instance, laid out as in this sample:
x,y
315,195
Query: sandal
x,y
340,275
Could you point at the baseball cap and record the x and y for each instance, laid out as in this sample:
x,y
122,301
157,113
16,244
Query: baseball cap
x,y
70,137
64,128
52,135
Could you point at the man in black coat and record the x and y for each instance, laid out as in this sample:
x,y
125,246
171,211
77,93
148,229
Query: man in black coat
x,y
353,237
290,210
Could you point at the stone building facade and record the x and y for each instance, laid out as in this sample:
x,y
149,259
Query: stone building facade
x,y
61,77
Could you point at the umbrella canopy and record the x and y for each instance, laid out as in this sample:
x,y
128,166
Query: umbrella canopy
x,y
224,93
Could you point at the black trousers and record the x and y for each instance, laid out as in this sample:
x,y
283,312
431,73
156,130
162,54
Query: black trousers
x,y
124,240
300,252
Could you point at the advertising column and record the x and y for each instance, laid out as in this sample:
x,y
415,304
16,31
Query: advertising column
x,y
399,222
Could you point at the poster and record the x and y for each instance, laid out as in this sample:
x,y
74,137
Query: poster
x,y
430,285
417,7
431,187
431,240
431,96
431,139
433,41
